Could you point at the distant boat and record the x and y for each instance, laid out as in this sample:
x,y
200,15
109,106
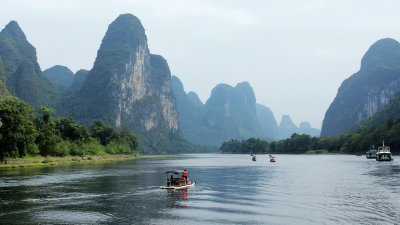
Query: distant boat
x,y
253,157
371,153
383,153
272,158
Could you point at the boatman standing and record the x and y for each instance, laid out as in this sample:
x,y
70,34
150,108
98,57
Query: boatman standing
x,y
185,175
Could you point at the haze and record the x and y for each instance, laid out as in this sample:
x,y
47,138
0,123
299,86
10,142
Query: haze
x,y
295,54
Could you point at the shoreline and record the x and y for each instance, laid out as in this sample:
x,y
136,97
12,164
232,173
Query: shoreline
x,y
41,161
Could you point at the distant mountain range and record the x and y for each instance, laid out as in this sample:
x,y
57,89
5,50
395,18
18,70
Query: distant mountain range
x,y
368,91
131,88
230,113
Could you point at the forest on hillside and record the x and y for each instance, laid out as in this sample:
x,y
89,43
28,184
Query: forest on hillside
x,y
355,142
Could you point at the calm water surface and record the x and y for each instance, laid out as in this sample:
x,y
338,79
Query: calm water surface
x,y
230,189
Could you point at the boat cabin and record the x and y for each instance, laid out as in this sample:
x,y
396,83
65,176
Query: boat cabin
x,y
383,153
175,178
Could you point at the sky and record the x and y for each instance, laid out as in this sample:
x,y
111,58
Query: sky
x,y
295,54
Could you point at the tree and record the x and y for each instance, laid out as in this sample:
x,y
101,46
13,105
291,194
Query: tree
x,y
126,137
71,130
17,129
103,132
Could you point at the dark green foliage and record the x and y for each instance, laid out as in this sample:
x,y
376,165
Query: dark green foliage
x,y
296,144
358,141
48,140
70,130
23,133
122,142
3,88
103,132
126,137
46,112
17,129
249,146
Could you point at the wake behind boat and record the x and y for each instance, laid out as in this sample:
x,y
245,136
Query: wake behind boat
x,y
177,179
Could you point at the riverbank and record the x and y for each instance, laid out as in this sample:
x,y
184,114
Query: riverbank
x,y
40,161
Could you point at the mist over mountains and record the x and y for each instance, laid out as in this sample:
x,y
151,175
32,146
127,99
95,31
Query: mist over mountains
x,y
230,113
131,88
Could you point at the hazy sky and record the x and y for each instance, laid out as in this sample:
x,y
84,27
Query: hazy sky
x,y
295,54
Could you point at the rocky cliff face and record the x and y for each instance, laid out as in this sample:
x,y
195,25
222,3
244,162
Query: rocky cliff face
x,y
287,127
267,122
128,86
229,113
366,92
23,74
305,128
79,79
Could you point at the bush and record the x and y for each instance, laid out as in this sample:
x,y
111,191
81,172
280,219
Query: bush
x,y
61,149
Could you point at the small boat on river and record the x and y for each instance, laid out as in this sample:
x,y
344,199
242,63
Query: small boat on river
x,y
272,158
371,153
383,153
177,180
253,157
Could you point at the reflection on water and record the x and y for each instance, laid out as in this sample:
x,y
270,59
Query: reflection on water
x,y
230,189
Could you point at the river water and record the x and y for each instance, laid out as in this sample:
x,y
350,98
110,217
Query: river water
x,y
230,189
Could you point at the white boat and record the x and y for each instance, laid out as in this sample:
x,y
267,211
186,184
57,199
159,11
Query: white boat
x,y
383,153
371,153
175,180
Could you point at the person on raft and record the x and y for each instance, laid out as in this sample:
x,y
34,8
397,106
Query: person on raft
x,y
185,176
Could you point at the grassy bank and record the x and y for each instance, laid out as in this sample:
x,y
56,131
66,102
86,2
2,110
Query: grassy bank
x,y
40,161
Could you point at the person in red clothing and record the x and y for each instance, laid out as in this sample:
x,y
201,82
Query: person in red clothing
x,y
185,175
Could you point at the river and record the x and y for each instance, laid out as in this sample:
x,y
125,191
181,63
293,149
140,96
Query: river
x,y
230,189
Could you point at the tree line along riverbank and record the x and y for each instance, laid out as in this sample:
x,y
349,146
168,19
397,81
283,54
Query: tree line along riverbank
x,y
354,142
25,134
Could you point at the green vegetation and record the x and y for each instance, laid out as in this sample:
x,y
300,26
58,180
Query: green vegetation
x,y
23,133
354,142
251,145
22,71
60,77
40,161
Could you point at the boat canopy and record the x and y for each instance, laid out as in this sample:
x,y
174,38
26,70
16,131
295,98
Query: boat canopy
x,y
175,171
